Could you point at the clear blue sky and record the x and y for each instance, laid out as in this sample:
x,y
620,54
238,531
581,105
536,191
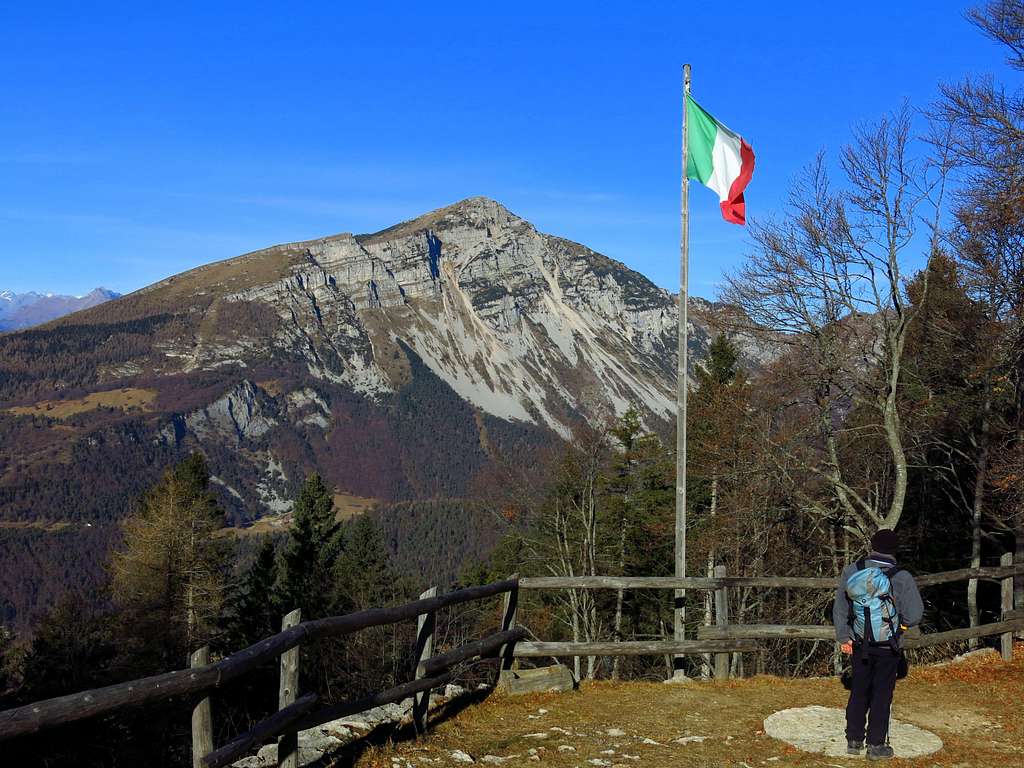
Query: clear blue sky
x,y
140,139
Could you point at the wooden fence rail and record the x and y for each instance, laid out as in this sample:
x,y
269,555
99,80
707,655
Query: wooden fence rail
x,y
994,573
724,638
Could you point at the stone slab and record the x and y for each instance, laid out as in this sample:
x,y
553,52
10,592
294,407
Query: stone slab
x,y
557,678
823,730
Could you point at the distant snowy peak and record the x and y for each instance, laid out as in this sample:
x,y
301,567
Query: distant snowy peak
x,y
23,310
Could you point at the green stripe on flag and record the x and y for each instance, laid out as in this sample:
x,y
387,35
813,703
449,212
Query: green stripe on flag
x,y
701,129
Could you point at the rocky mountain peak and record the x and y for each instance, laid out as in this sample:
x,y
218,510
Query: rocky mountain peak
x,y
481,213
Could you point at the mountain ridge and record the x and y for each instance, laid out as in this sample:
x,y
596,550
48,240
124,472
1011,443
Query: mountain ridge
x,y
24,310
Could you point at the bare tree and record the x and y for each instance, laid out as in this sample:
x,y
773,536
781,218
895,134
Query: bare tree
x,y
567,538
827,281
982,126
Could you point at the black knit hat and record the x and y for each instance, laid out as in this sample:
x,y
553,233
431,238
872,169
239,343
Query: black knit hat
x,y
885,541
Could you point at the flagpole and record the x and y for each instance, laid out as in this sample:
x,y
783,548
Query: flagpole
x,y
681,379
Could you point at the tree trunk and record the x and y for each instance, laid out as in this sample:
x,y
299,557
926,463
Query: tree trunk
x,y
977,508
619,595
708,595
893,436
837,568
1018,582
574,611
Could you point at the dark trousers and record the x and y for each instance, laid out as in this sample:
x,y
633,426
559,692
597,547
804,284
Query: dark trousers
x,y
874,680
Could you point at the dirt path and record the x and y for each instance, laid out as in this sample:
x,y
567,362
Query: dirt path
x,y
974,707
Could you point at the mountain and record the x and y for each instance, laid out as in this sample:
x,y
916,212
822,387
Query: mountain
x,y
401,365
23,310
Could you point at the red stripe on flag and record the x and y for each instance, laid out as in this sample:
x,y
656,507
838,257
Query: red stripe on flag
x,y
734,209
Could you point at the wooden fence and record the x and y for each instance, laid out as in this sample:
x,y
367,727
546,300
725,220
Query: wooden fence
x,y
724,638
296,713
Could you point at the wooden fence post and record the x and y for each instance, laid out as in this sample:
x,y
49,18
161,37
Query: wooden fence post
x,y
508,621
1006,640
288,692
202,717
722,621
425,623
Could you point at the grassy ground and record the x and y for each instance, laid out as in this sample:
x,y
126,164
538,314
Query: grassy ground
x,y
975,707
126,399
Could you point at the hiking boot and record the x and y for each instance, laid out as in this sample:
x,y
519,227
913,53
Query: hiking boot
x,y
879,752
854,747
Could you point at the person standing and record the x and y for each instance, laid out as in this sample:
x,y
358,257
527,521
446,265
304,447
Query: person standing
x,y
876,602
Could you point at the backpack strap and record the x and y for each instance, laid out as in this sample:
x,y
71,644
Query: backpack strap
x,y
859,565
894,630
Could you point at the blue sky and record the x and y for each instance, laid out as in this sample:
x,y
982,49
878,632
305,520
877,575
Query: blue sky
x,y
142,139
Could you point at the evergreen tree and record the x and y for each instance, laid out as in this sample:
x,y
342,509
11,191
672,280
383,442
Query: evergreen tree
x,y
72,650
255,613
363,579
363,576
168,576
638,498
314,543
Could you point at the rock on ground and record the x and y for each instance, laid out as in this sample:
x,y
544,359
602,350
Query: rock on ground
x,y
317,742
822,730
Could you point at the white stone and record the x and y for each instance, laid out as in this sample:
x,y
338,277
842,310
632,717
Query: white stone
x,y
822,730
461,757
615,732
691,739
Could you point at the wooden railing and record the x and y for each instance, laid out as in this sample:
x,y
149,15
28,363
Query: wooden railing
x,y
301,712
295,712
724,638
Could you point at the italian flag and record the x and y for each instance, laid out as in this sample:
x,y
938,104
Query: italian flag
x,y
718,159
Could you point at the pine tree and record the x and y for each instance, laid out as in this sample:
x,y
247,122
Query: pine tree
x,y
256,614
718,456
314,543
72,650
363,579
363,576
638,498
168,576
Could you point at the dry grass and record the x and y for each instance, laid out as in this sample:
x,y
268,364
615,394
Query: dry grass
x,y
347,506
127,399
350,506
975,707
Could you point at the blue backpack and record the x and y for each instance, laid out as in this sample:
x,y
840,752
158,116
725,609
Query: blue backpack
x,y
873,614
